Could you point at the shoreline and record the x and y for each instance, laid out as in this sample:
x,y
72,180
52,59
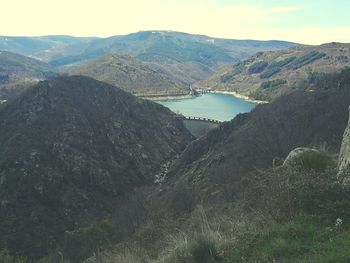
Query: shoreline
x,y
240,96
168,97
190,96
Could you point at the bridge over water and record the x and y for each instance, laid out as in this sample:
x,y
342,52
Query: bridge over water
x,y
199,119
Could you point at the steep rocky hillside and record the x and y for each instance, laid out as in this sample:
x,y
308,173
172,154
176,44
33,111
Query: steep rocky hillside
x,y
214,164
268,75
70,149
131,75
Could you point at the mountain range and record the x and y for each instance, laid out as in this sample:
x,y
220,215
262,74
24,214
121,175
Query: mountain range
x,y
187,57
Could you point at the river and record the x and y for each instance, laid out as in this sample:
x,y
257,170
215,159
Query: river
x,y
216,106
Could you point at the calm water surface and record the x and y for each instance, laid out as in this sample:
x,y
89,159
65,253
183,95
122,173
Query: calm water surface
x,y
214,106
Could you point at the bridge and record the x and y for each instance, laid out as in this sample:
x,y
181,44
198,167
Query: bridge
x,y
198,119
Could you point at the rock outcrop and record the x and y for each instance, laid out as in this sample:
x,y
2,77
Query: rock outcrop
x,y
344,156
308,159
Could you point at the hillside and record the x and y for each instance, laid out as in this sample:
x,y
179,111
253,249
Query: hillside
x,y
18,68
168,45
216,162
71,149
131,75
188,58
268,75
245,192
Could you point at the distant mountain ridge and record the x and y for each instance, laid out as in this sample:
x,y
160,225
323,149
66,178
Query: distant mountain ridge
x,y
169,45
188,58
32,45
268,75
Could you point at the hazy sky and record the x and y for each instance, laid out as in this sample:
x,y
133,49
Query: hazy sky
x,y
304,21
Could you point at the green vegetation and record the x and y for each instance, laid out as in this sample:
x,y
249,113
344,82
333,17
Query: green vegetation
x,y
342,59
301,239
307,216
283,62
273,83
257,67
314,77
307,59
275,67
269,72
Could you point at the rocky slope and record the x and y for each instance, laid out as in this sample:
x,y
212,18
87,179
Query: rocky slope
x,y
70,148
268,75
214,165
131,75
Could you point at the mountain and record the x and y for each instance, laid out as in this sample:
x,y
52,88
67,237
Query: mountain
x,y
32,45
169,46
70,149
131,75
18,68
188,58
18,72
267,75
213,165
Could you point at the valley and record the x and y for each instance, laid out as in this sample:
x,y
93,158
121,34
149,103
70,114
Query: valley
x,y
168,147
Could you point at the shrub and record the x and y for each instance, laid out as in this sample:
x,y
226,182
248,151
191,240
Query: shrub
x,y
269,72
307,59
275,67
203,247
5,257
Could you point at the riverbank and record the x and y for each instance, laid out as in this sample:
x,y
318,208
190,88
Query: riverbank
x,y
168,97
240,96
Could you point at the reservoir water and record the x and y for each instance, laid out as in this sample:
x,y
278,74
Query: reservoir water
x,y
216,106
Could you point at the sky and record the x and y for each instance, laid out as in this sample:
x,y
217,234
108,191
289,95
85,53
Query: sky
x,y
302,21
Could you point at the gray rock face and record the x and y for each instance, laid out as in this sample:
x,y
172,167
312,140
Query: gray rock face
x,y
309,159
295,156
344,156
